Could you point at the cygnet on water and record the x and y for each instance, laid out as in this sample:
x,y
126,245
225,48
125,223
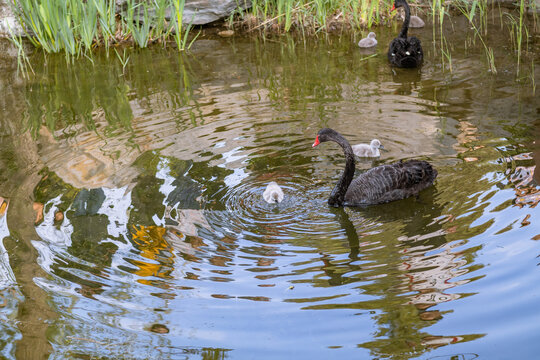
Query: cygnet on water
x,y
365,150
415,22
273,193
368,42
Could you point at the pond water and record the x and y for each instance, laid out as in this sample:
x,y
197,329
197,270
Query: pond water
x,y
134,227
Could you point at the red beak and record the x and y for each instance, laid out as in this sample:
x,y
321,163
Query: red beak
x,y
316,141
393,7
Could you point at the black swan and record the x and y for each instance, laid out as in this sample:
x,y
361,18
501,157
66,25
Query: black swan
x,y
405,52
380,184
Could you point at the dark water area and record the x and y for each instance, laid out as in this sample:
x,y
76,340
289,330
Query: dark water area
x,y
134,227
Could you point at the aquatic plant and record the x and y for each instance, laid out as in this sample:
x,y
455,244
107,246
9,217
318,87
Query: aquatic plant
x,y
107,18
137,22
309,16
180,33
160,30
469,13
476,12
76,27
124,59
23,62
438,12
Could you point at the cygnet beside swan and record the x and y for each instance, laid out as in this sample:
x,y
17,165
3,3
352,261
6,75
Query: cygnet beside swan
x,y
273,193
416,22
365,150
368,42
377,185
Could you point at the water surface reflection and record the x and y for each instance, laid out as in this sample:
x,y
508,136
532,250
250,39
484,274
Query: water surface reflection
x,y
139,226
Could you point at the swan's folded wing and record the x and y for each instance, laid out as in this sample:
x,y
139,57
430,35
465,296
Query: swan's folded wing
x,y
418,172
390,182
415,47
370,186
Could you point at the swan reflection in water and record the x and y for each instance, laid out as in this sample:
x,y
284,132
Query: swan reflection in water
x,y
425,266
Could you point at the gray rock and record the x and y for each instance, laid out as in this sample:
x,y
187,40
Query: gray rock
x,y
8,21
201,12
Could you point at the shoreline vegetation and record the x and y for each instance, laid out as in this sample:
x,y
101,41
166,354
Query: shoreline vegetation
x,y
76,28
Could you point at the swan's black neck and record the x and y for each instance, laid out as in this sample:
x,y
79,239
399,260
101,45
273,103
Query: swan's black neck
x,y
337,197
405,26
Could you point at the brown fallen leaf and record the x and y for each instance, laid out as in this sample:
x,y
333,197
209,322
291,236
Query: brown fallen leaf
x,y
226,33
38,209
58,216
526,221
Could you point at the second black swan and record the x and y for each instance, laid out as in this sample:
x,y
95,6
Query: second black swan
x,y
380,184
405,52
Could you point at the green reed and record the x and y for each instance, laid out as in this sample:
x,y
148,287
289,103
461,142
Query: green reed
x,y
124,59
438,13
470,13
24,66
137,22
310,16
476,12
160,30
88,27
76,27
519,34
532,77
106,10
470,10
180,34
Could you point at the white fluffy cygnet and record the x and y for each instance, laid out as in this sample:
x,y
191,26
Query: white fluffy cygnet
x,y
273,193
416,22
368,42
365,150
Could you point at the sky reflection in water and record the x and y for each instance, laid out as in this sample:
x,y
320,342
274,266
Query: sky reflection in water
x,y
144,203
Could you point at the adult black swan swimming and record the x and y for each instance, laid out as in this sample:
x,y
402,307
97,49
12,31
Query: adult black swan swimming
x,y
380,184
405,52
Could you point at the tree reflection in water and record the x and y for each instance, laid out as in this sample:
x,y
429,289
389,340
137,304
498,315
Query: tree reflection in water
x,y
424,267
